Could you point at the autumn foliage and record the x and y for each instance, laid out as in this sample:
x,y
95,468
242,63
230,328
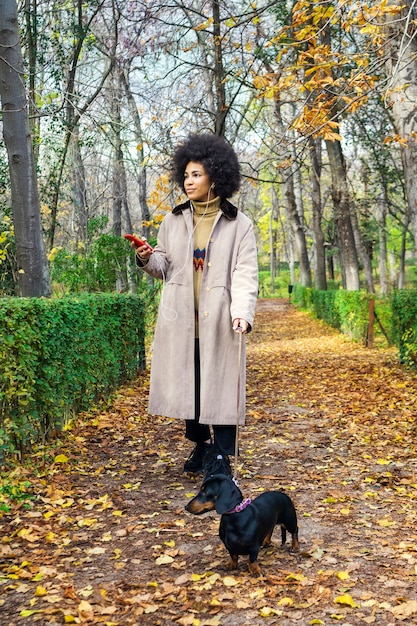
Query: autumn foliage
x,y
103,537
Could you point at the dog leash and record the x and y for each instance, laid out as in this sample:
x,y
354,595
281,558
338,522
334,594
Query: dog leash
x,y
239,361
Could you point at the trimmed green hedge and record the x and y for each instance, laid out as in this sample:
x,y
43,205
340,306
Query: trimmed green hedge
x,y
404,325
396,317
345,310
58,357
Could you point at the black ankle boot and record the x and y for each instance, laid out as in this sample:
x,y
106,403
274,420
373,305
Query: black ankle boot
x,y
195,462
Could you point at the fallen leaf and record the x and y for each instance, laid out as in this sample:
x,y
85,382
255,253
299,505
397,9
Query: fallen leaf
x,y
164,559
346,599
41,591
405,609
267,611
61,458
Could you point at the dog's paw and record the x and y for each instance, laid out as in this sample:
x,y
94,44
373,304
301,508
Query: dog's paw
x,y
231,564
254,569
295,546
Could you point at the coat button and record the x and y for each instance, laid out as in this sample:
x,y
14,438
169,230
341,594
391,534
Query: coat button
x,y
205,313
207,288
209,264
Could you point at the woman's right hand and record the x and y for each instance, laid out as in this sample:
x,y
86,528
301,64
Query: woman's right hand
x,y
143,252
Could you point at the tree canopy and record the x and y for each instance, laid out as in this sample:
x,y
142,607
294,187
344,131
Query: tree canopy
x,y
317,98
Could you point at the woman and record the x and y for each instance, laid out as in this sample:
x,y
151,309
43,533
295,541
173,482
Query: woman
x,y
206,255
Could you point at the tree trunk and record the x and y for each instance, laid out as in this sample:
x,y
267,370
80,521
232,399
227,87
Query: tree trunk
x,y
297,229
219,75
79,188
119,175
31,15
402,67
33,271
293,215
320,281
383,250
364,256
401,273
272,248
341,203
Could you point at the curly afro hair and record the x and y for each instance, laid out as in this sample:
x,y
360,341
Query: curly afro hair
x,y
217,157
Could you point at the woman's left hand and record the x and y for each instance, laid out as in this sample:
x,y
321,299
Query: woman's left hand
x,y
240,325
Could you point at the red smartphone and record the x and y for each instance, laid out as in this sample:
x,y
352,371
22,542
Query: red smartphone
x,y
139,242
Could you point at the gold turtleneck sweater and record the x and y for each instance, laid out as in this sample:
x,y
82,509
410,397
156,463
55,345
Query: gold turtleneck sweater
x,y
203,215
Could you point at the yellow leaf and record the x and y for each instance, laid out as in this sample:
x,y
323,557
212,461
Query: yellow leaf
x,y
28,613
170,543
86,592
316,621
205,24
286,602
87,522
385,523
61,458
298,577
164,559
229,581
117,513
343,575
383,462
346,599
70,619
267,611
41,591
345,511
107,537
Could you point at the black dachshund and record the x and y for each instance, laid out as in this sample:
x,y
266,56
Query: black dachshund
x,y
245,525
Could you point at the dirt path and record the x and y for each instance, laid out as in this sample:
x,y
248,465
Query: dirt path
x,y
107,541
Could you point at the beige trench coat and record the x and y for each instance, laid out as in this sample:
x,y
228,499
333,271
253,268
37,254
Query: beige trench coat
x,y
229,290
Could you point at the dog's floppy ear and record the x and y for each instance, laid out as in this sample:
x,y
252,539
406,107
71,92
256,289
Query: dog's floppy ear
x,y
229,494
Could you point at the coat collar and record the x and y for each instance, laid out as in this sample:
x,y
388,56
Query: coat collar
x,y
228,209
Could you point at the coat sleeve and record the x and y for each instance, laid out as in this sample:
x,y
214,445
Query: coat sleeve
x,y
244,286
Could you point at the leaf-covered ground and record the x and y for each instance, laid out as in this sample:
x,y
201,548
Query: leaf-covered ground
x,y
107,539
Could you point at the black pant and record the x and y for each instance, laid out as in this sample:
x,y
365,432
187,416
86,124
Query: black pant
x,y
224,436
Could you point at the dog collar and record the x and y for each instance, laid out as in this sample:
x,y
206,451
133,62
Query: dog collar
x,y
240,507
